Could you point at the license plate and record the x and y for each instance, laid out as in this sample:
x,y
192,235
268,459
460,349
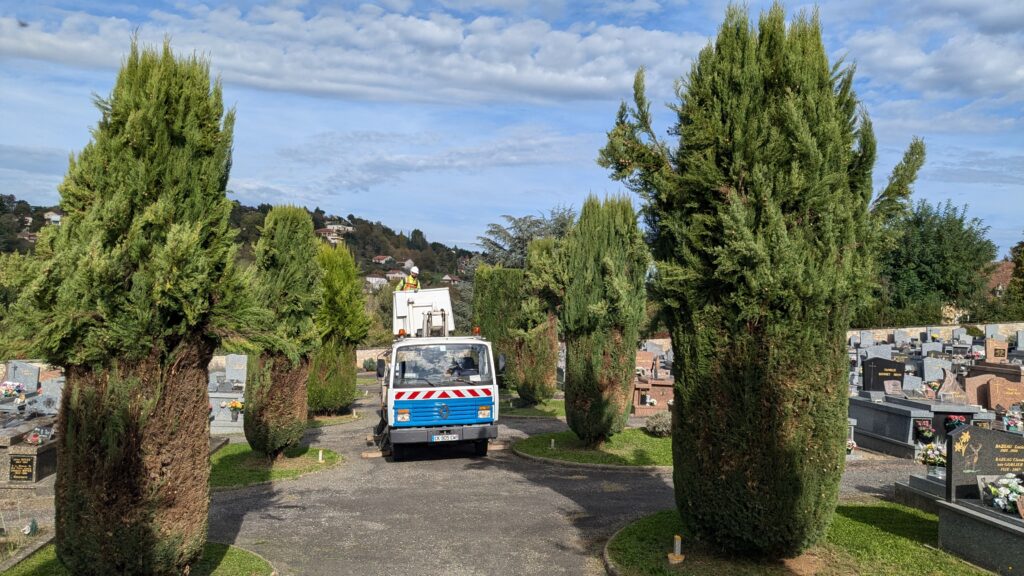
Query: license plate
x,y
444,437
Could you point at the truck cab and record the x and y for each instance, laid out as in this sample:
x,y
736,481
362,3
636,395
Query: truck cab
x,y
436,388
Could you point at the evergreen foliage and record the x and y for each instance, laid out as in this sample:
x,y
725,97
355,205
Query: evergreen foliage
x,y
604,262
287,282
506,245
343,324
498,295
131,295
933,256
763,225
1014,297
534,367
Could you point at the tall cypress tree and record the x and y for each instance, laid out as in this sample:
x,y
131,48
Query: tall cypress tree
x,y
762,223
132,294
605,261
342,323
287,282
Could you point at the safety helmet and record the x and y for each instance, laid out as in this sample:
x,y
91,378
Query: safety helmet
x,y
414,270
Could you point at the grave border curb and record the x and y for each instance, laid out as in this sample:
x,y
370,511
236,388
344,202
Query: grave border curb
x,y
273,569
592,466
25,552
609,566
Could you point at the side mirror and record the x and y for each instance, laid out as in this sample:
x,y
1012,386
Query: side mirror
x,y
501,363
380,368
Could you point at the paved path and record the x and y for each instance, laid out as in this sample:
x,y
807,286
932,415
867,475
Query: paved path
x,y
445,512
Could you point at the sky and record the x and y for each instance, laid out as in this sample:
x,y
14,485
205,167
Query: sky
x,y
444,115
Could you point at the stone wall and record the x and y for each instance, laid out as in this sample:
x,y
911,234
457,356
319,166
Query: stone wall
x,y
1007,329
364,353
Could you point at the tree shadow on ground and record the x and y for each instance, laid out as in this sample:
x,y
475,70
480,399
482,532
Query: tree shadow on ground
x,y
894,521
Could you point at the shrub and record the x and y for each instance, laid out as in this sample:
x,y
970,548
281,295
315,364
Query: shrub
x,y
605,261
659,424
332,378
369,365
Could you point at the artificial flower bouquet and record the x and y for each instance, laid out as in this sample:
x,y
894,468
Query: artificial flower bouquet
x,y
1005,492
933,454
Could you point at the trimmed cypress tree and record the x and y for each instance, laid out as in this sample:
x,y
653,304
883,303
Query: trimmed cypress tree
x,y
342,323
762,223
287,282
605,262
497,308
535,342
132,294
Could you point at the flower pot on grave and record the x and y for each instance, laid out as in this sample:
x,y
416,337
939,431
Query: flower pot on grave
x,y
234,415
937,471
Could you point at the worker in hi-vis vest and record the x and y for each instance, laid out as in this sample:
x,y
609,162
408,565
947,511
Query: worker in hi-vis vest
x,y
412,281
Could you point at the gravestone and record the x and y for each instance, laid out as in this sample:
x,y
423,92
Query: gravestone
x,y
934,369
996,351
901,337
1020,339
866,339
22,373
951,391
991,331
959,333
972,451
877,371
235,367
930,348
1002,394
1008,371
977,389
912,383
879,351
934,334
50,392
854,341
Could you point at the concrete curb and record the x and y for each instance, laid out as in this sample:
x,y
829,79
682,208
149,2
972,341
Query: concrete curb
x,y
24,553
610,566
568,464
528,417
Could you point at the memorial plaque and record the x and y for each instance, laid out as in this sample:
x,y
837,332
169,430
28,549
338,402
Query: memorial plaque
x,y
867,339
972,451
900,337
878,370
928,348
893,388
23,468
996,351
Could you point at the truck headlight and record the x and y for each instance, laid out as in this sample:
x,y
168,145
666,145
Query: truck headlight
x,y
403,416
483,412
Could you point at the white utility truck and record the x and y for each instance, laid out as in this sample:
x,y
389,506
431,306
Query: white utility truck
x,y
436,388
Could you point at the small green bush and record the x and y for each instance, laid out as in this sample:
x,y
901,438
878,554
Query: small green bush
x,y
369,365
331,387
659,425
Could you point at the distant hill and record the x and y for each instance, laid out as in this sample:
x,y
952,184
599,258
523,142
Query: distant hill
x,y
19,222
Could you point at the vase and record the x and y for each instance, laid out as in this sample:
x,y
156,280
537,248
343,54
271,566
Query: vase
x,y
234,416
937,471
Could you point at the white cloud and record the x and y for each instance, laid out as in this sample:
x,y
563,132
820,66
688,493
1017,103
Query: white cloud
x,y
369,53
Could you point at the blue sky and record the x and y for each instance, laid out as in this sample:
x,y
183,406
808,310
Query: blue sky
x,y
446,114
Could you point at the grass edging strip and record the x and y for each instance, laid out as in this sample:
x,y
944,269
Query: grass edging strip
x,y
307,450
609,565
571,464
25,552
273,570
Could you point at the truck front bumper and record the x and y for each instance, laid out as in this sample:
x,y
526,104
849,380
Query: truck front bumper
x,y
426,435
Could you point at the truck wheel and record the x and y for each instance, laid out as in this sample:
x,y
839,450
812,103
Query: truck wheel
x,y
480,448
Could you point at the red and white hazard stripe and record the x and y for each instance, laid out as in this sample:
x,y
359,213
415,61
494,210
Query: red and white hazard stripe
x,y
442,394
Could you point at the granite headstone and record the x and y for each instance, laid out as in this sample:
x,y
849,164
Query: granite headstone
x,y
972,451
879,370
866,339
930,348
934,369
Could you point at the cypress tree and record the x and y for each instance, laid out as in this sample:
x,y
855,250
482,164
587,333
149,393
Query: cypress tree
x,y
762,224
605,262
497,308
287,282
534,367
342,323
132,294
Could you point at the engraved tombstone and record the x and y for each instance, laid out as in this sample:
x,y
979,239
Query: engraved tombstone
x,y
878,371
996,351
866,339
972,451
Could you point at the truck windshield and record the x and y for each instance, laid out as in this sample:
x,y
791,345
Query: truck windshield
x,y
442,365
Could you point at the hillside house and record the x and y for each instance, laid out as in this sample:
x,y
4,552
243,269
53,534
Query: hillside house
x,y
329,236
375,282
383,260
451,280
394,274
339,228
53,217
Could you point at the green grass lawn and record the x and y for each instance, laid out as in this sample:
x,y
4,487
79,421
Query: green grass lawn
x,y
237,465
513,406
631,447
217,560
321,421
865,539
